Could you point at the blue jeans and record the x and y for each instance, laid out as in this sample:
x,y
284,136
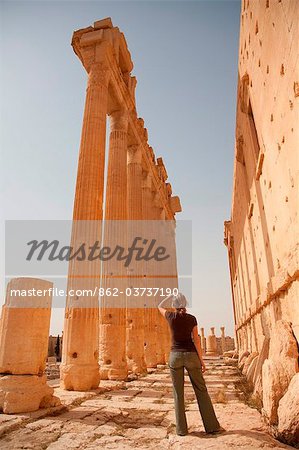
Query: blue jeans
x,y
190,360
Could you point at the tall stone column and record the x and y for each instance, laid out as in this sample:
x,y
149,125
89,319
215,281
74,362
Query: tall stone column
x,y
113,364
211,343
158,282
171,281
24,335
79,369
135,315
223,343
203,340
150,312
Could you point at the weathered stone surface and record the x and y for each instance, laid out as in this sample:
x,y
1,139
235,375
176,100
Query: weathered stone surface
x,y
242,360
25,327
248,361
288,413
24,334
251,369
263,355
119,425
279,369
262,233
25,393
229,354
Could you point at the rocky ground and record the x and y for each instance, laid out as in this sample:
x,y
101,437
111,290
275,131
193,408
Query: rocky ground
x,y
140,414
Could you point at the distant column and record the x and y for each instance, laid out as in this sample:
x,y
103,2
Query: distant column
x,y
212,343
24,336
223,343
203,340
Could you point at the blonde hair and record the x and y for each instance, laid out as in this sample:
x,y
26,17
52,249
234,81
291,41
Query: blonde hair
x,y
181,311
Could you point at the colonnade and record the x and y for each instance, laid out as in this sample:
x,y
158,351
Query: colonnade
x,y
110,342
102,339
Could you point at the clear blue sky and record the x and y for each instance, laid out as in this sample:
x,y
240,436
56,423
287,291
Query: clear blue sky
x,y
185,60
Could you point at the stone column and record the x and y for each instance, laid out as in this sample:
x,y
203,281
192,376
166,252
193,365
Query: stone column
x,y
113,364
203,340
171,281
79,369
24,335
212,343
158,282
223,343
150,312
135,315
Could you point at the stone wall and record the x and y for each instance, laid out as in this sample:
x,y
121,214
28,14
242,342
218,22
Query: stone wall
x,y
229,345
262,234
53,350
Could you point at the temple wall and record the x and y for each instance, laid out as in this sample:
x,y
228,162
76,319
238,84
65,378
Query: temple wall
x,y
262,234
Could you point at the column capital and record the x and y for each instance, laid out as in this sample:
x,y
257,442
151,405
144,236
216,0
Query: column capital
x,y
146,179
119,120
134,154
98,75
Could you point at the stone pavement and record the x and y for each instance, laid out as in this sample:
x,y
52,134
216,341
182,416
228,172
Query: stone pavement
x,y
139,414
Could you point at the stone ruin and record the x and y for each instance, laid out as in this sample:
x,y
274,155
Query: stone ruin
x,y
23,349
217,346
262,234
106,342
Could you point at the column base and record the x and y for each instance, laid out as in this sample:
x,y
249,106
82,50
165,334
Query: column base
x,y
151,358
83,377
138,367
25,393
113,373
211,354
161,359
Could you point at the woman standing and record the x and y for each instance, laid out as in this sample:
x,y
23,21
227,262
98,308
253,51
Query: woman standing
x,y
186,353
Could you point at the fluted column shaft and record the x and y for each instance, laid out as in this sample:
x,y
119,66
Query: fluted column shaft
x,y
150,312
112,353
161,324
135,316
171,281
79,368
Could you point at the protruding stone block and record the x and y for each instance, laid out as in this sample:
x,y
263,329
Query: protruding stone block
x,y
25,327
288,413
175,204
279,368
24,335
103,24
25,393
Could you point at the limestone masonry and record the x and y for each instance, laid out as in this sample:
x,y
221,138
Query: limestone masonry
x,y
107,342
262,234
